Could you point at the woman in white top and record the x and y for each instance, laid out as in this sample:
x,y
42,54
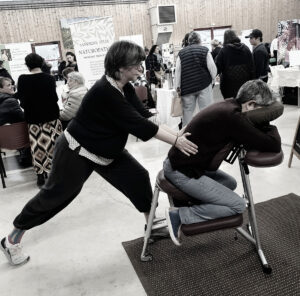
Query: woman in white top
x,y
77,90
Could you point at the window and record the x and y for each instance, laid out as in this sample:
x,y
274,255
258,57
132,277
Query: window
x,y
208,34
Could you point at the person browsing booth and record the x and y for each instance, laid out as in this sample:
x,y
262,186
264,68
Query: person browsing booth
x,y
260,55
194,76
211,129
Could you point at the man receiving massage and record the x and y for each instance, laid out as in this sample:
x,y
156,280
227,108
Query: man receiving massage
x,y
232,120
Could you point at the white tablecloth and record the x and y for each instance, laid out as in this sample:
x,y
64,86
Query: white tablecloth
x,y
289,77
286,77
163,106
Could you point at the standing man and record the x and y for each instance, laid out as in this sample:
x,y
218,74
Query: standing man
x,y
260,55
195,72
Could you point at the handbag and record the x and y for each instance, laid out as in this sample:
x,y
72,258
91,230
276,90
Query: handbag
x,y
176,107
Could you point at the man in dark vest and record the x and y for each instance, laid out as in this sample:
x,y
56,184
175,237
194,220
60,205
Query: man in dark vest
x,y
195,72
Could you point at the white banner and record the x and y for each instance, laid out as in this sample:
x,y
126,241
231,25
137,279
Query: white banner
x,y
294,58
92,39
14,55
138,39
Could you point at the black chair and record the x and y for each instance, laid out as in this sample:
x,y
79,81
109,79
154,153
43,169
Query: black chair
x,y
142,93
178,198
12,137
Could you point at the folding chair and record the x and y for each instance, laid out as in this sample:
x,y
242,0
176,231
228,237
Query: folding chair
x,y
12,137
179,198
141,92
148,78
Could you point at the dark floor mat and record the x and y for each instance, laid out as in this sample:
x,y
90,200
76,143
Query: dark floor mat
x,y
214,264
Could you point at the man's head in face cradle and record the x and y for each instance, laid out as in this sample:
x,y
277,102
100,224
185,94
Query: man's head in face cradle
x,y
254,94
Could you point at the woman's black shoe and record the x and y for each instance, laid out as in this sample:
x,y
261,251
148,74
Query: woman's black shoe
x,y
40,180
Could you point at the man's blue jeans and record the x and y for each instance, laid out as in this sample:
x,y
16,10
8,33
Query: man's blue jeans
x,y
203,97
214,189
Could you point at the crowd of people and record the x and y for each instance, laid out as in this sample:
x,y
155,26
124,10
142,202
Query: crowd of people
x,y
91,130
35,101
232,62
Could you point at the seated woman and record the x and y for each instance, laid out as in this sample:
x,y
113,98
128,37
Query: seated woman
x,y
10,110
77,90
211,129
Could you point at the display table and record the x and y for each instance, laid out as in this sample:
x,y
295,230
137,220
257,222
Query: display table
x,y
286,77
163,105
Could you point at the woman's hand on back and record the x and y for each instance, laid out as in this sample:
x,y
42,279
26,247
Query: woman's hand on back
x,y
186,146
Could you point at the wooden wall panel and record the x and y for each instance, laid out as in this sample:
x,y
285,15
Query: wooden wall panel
x,y
43,25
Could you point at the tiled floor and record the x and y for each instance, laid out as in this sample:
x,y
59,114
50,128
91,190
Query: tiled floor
x,y
79,251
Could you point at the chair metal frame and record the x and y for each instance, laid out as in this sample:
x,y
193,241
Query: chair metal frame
x,y
251,232
2,170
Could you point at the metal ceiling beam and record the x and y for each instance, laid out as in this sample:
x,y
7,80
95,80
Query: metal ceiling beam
x,y
38,4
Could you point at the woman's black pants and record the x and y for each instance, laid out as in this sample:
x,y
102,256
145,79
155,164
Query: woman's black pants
x,y
68,174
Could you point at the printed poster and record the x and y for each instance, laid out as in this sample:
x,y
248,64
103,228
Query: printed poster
x,y
66,32
14,55
288,39
92,39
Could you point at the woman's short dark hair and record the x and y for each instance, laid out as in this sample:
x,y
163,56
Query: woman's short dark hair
x,y
230,37
71,54
33,60
194,38
185,40
122,54
152,50
67,71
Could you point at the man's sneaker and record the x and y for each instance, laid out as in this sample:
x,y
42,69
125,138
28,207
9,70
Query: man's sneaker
x,y
174,225
14,253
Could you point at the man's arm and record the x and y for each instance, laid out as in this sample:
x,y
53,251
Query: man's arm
x,y
272,48
177,78
219,62
211,66
259,60
264,139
